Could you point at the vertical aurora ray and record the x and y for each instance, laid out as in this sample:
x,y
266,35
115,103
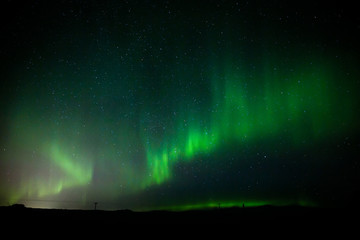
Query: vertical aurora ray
x,y
299,107
164,103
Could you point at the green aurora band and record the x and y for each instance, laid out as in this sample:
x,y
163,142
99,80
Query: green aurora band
x,y
302,106
298,104
110,105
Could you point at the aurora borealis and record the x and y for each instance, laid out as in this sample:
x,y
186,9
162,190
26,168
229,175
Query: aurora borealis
x,y
156,104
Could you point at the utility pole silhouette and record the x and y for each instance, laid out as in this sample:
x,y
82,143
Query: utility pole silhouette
x,y
95,203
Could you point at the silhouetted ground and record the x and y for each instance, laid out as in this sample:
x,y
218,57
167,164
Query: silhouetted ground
x,y
22,214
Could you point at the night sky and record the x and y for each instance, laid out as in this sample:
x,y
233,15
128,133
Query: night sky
x,y
179,104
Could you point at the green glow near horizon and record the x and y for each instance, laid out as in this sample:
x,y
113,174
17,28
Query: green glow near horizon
x,y
229,204
65,172
234,103
297,105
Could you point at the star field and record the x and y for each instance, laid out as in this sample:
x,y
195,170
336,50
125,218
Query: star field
x,y
157,104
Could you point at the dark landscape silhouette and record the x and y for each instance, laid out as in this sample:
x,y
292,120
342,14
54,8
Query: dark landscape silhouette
x,y
232,215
